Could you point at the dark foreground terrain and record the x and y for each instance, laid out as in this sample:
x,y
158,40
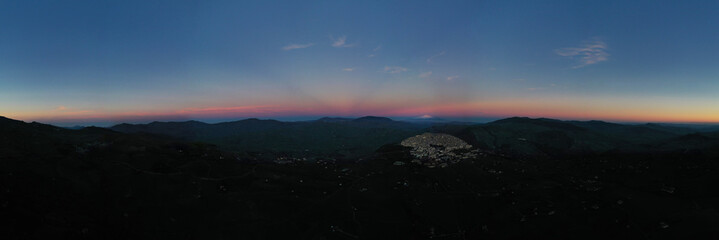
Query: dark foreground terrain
x,y
532,178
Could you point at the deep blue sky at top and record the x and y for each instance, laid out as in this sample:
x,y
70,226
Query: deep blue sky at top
x,y
65,59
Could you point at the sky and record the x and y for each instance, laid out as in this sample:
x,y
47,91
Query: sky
x,y
75,62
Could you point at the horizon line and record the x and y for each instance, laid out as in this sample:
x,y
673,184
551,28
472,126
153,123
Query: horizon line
x,y
96,122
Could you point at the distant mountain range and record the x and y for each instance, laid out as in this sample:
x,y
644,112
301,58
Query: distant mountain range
x,y
348,138
361,136
275,180
339,137
550,137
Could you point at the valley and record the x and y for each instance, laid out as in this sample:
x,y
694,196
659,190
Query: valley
x,y
528,178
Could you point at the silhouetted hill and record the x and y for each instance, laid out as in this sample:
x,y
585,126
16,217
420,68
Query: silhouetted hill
x,y
539,122
7,124
4,120
684,127
325,137
596,125
89,183
633,134
372,119
339,137
672,129
102,184
333,119
549,137
691,142
536,137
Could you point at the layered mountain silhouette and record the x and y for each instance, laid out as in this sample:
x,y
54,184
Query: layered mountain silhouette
x,y
354,137
338,178
327,136
550,137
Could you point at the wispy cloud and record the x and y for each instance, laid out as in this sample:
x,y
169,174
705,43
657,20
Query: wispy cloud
x,y
429,60
452,78
348,69
590,52
377,48
61,108
297,46
395,69
425,74
341,42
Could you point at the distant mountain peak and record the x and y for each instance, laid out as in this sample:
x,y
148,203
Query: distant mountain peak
x,y
373,119
515,119
173,122
599,122
333,119
543,122
9,120
255,120
5,119
595,123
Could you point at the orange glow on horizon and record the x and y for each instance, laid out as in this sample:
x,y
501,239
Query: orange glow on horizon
x,y
547,109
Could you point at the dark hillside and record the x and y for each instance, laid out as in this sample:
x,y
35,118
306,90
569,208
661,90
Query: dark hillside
x,y
324,137
554,138
101,184
539,137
